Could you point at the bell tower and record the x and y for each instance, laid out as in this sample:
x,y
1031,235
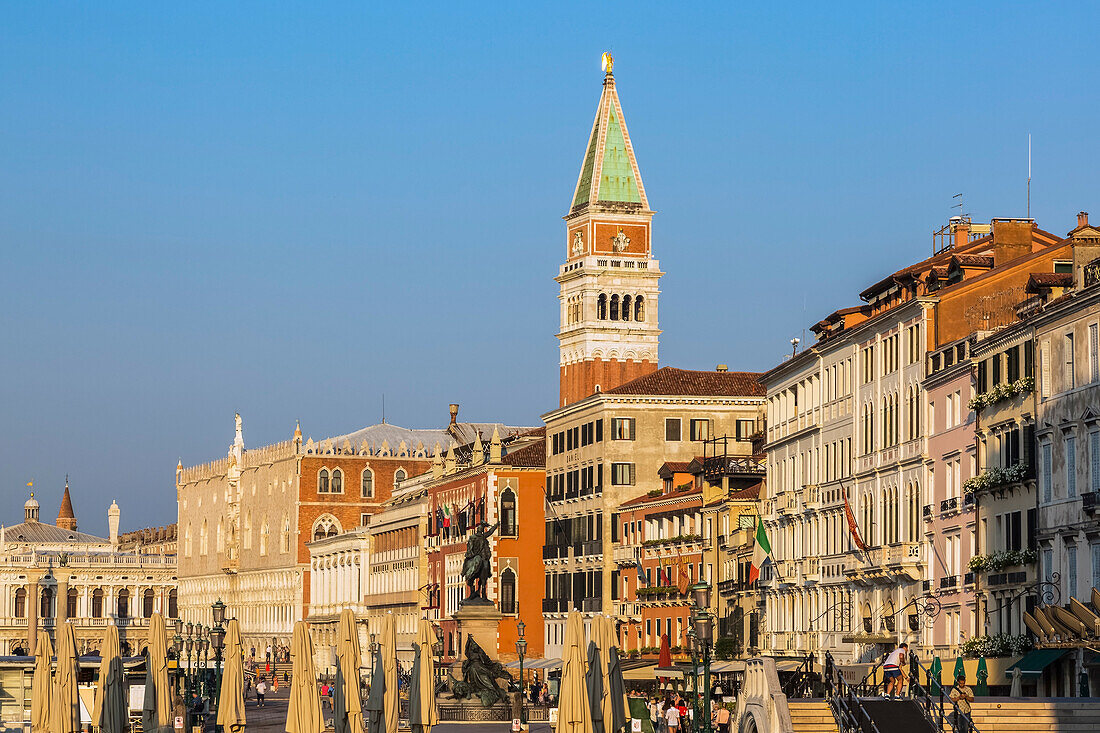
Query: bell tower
x,y
609,282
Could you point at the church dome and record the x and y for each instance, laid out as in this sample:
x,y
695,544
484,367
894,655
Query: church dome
x,y
30,509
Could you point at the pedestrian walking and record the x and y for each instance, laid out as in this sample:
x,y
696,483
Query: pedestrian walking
x,y
672,718
962,695
891,672
261,690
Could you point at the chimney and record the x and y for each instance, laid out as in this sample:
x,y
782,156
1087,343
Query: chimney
x,y
961,231
721,368
1082,219
1011,239
454,413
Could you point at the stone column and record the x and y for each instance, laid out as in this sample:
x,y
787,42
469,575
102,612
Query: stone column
x,y
61,613
32,611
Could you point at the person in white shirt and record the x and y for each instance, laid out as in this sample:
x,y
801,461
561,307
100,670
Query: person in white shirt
x,y
672,717
891,671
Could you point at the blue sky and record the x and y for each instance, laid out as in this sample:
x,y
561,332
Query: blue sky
x,y
291,210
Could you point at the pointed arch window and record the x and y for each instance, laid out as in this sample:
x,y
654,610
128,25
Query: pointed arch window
x,y
203,539
601,307
247,539
508,519
286,533
219,542
263,536
399,476
325,526
639,308
626,308
322,481
337,485
187,541
508,591
366,484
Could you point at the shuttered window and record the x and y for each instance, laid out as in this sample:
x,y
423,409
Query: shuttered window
x,y
1071,466
1094,353
1046,473
1044,369
1094,461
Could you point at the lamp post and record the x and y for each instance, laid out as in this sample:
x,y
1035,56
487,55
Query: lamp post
x,y
693,653
703,624
521,649
217,640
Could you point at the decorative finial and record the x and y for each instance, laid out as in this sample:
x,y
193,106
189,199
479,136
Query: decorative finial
x,y
607,63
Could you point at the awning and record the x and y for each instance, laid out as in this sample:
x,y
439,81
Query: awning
x,y
723,667
673,673
534,664
640,673
1034,662
788,665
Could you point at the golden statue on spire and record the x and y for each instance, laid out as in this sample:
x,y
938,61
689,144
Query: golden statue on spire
x,y
607,62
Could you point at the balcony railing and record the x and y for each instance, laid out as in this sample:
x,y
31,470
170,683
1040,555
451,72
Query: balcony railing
x,y
1090,501
948,505
592,604
926,585
927,511
592,548
949,581
1015,578
968,578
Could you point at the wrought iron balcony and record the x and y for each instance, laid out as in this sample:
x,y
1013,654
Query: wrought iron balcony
x,y
1090,501
927,511
948,505
926,586
949,581
968,578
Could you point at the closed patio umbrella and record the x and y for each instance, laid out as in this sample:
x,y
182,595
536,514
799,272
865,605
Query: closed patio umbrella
x,y
574,713
156,711
934,673
960,668
981,683
620,716
595,677
664,656
231,697
389,664
110,694
1017,683
303,714
422,711
41,687
347,705
376,700
65,705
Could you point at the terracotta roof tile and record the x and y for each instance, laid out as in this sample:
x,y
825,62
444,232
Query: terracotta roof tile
x,y
672,381
532,455
753,492
1050,280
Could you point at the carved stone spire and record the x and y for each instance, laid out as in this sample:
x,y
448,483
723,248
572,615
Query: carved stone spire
x,y
496,450
479,451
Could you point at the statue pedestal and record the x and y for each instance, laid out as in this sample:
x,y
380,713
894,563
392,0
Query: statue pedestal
x,y
479,619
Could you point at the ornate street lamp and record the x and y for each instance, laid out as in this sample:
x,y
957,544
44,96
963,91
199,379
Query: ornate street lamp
x,y
703,638
521,650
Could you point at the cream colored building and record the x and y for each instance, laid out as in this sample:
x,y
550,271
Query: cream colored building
x,y
607,449
50,574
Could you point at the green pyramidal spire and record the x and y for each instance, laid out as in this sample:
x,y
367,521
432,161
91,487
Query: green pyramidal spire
x,y
609,173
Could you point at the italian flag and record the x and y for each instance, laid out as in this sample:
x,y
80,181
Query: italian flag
x,y
761,552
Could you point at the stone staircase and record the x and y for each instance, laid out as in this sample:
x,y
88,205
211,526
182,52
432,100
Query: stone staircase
x,y
1058,715
811,716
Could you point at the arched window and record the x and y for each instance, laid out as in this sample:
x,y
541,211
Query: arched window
x,y
173,604
626,307
147,603
614,307
219,543
286,533
601,307
124,603
20,602
263,536
70,603
366,484
247,539
399,476
508,523
325,526
639,308
97,603
203,542
337,481
187,541
322,481
508,591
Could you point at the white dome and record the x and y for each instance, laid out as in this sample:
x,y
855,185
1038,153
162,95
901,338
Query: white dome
x,y
31,503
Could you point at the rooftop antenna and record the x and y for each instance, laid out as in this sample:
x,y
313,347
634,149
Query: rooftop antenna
x,y
383,408
1029,175
959,205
